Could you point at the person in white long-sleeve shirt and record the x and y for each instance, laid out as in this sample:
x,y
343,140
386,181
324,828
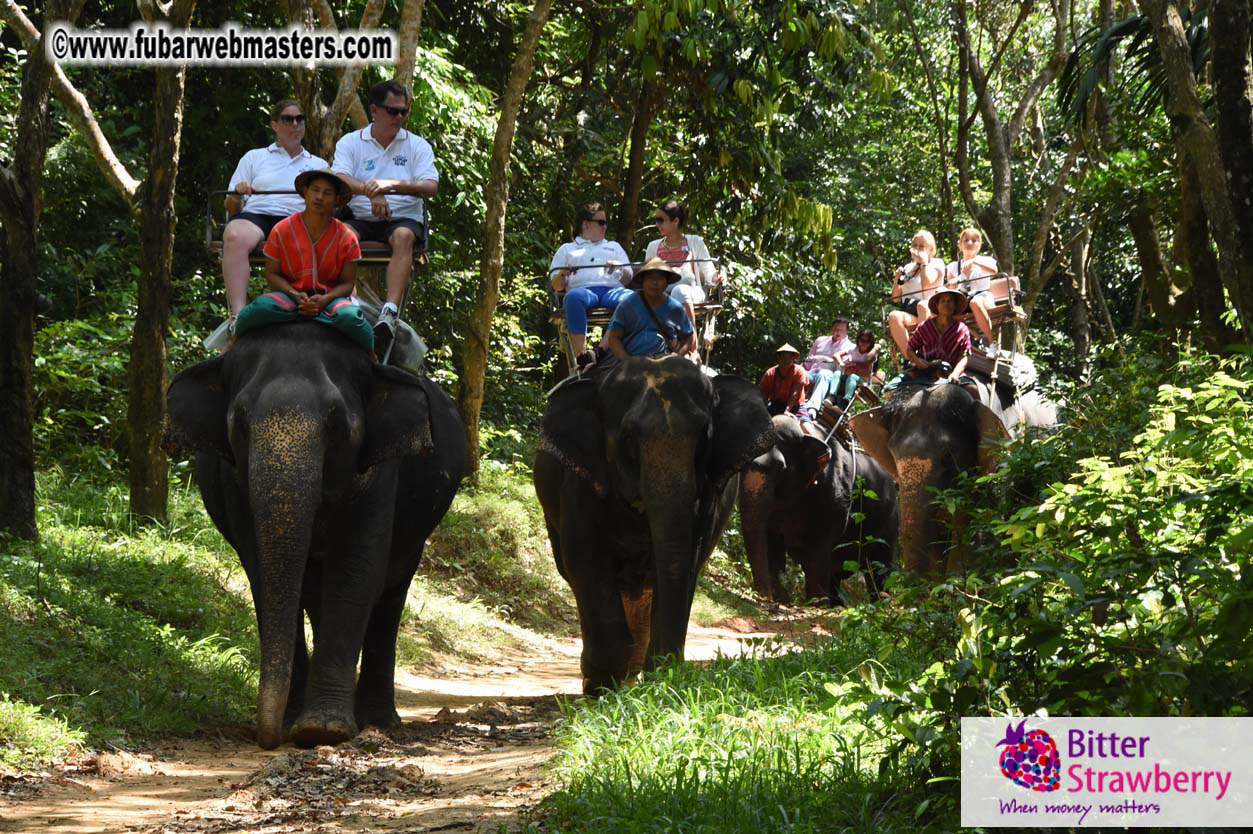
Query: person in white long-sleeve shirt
x,y
686,253
591,271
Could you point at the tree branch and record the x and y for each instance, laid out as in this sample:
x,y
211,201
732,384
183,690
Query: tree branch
x,y
333,122
76,108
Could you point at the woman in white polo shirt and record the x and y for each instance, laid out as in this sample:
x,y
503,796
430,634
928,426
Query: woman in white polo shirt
x,y
272,168
591,271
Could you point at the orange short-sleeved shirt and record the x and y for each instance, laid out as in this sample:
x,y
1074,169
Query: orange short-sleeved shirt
x,y
311,267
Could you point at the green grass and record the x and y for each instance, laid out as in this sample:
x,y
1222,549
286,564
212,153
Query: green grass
x,y
748,744
115,633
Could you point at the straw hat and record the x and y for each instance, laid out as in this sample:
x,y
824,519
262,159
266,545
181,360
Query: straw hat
x,y
655,265
305,177
786,348
959,301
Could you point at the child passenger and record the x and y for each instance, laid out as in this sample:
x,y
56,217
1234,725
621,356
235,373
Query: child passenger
x,y
971,275
912,287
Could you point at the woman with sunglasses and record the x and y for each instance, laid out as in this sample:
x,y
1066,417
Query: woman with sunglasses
x,y
686,253
592,272
273,168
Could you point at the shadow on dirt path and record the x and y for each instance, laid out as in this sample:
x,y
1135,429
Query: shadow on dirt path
x,y
469,758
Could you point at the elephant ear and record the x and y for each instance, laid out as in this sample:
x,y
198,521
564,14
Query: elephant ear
x,y
873,429
572,433
992,437
814,457
397,418
196,404
741,427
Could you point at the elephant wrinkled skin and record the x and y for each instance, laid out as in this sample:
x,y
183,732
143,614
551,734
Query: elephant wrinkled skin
x,y
925,436
802,499
636,473
326,473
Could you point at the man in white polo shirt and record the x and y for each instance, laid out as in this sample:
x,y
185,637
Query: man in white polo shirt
x,y
389,171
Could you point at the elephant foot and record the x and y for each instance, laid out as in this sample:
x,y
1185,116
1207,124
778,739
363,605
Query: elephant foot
x,y
317,728
380,715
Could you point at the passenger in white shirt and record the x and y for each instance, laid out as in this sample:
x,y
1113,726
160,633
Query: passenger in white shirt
x,y
591,271
389,170
263,169
972,276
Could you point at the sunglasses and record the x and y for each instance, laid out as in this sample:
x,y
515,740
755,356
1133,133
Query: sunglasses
x,y
395,111
297,119
599,222
659,219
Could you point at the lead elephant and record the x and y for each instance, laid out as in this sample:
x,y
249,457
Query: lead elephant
x,y
802,499
926,435
636,474
326,472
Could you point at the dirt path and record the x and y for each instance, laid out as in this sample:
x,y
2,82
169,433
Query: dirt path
x,y
469,758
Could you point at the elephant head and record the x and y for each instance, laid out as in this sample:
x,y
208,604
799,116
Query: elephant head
x,y
308,427
653,445
923,438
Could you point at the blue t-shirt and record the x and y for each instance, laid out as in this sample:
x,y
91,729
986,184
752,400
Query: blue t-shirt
x,y
639,331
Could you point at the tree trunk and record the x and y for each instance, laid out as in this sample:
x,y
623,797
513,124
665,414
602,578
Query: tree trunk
x,y
1183,107
147,372
1168,299
1233,93
19,265
410,31
1193,244
478,340
646,106
1080,321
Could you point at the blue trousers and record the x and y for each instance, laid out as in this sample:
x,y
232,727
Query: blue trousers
x,y
824,383
578,300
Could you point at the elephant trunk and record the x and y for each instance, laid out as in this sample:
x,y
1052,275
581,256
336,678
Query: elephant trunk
x,y
285,481
671,504
920,553
756,504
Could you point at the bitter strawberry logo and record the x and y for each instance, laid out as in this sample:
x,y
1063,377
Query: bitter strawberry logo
x,y
1030,758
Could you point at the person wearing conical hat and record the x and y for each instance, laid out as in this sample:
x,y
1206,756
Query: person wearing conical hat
x,y
311,265
941,338
783,385
650,322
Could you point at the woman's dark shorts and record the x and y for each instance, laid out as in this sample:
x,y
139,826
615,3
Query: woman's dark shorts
x,y
264,222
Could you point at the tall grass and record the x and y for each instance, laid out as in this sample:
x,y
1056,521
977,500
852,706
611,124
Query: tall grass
x,y
749,744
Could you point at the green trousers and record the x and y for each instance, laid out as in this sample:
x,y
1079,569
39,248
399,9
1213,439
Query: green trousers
x,y
279,308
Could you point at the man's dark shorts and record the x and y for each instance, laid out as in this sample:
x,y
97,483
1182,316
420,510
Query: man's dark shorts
x,y
264,222
381,230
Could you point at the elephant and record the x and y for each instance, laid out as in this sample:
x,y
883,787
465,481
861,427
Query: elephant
x,y
799,499
925,435
326,472
636,473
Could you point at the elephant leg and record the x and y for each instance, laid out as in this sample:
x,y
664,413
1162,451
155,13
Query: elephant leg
x,y
816,559
590,566
639,615
352,576
376,684
777,562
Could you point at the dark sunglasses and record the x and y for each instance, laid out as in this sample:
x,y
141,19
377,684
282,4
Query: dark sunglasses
x,y
659,219
297,119
599,222
395,111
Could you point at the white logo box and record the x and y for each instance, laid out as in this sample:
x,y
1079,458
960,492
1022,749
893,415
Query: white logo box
x,y
1195,772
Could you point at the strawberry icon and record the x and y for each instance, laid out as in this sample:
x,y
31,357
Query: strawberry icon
x,y
1030,758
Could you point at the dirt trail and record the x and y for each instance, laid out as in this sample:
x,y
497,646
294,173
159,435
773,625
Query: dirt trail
x,y
469,758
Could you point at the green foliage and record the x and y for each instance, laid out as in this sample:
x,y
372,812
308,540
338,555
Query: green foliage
x,y
1111,571
120,633
750,744
29,737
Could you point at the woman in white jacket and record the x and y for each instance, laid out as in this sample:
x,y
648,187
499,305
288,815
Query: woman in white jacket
x,y
684,252
591,271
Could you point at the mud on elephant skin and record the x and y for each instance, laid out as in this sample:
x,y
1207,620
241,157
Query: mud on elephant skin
x,y
326,473
802,499
925,436
637,473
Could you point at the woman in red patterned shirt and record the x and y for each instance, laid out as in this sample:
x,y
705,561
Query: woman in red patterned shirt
x,y
311,266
